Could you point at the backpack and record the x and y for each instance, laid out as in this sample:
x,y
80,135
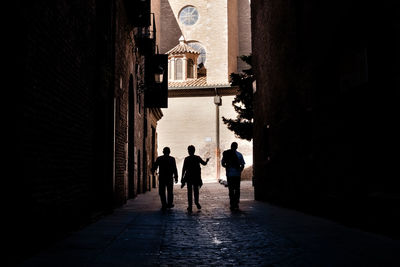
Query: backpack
x,y
231,159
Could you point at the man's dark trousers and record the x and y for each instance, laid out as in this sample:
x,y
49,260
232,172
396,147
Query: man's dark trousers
x,y
195,189
234,190
169,185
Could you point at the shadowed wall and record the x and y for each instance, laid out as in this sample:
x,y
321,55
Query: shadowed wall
x,y
326,104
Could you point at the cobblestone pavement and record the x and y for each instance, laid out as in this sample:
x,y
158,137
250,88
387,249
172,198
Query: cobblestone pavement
x,y
259,234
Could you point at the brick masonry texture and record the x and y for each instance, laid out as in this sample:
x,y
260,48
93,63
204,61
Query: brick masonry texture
x,y
77,60
59,109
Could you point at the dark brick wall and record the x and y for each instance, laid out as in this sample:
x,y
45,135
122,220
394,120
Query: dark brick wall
x,y
58,104
63,126
76,58
327,75
123,69
129,61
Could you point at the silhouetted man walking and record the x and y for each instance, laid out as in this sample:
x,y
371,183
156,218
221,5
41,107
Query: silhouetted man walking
x,y
234,163
167,172
191,174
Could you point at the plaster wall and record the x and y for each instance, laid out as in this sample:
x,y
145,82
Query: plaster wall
x,y
185,123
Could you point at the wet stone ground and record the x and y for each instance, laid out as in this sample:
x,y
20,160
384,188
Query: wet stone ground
x,y
259,234
215,235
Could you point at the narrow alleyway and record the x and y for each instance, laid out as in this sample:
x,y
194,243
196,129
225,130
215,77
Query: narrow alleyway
x,y
258,235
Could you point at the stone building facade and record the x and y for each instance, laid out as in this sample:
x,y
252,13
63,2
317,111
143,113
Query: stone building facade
x,y
220,31
85,139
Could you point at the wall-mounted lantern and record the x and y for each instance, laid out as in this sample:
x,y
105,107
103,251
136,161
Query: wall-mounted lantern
x,y
159,74
156,95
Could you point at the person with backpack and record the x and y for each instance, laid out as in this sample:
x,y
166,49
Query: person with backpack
x,y
233,162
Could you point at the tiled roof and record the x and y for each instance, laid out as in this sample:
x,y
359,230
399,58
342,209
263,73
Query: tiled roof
x,y
199,82
182,48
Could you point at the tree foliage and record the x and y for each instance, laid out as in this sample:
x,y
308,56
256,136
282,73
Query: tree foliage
x,y
242,126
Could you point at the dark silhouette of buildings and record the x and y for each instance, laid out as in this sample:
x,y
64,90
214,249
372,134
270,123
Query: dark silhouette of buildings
x,y
326,108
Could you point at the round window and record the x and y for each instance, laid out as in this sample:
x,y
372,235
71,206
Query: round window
x,y
189,15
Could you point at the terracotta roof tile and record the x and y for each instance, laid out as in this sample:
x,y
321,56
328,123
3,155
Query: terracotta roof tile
x,y
182,48
199,82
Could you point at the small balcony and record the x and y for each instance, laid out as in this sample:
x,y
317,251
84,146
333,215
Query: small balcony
x,y
145,37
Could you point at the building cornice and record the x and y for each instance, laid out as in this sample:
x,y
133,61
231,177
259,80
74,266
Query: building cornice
x,y
202,91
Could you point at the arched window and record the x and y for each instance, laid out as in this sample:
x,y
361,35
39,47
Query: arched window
x,y
201,49
178,69
190,72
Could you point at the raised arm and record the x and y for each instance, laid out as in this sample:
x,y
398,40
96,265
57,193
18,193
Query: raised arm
x,y
203,162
